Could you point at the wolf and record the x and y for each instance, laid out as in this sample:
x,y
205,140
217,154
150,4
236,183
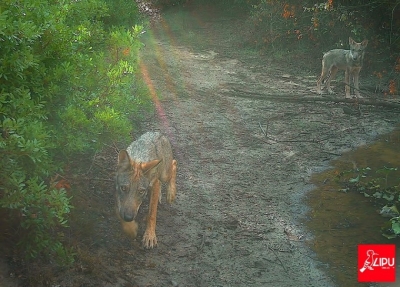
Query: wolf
x,y
144,166
351,61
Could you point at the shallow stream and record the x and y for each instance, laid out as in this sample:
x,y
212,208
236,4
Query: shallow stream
x,y
340,220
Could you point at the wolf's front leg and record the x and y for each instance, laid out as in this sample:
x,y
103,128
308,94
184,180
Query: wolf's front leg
x,y
332,75
149,237
356,83
347,76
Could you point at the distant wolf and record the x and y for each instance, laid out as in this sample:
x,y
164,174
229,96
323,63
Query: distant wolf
x,y
350,61
143,166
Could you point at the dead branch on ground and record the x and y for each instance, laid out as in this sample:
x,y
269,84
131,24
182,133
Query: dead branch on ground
x,y
310,99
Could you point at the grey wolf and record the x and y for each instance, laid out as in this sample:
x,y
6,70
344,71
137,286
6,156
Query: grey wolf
x,y
350,61
143,167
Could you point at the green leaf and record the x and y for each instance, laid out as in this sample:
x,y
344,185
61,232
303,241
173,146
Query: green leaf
x,y
396,226
386,170
354,180
388,197
389,211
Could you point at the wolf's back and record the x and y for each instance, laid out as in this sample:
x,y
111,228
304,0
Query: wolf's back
x,y
151,146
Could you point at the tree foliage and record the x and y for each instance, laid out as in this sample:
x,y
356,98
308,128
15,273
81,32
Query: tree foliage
x,y
67,85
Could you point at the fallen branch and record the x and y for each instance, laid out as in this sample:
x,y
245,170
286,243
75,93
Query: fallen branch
x,y
262,130
302,98
277,257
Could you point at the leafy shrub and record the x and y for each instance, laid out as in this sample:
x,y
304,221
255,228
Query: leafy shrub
x,y
121,13
280,24
68,85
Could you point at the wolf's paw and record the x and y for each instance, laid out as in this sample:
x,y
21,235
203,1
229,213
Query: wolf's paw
x,y
171,194
149,239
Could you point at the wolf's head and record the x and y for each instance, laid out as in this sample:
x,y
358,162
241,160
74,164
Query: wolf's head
x,y
357,49
131,184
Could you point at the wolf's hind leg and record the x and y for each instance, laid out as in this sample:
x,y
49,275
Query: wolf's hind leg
x,y
324,74
332,75
171,189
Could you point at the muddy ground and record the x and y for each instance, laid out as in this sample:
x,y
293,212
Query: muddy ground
x,y
243,165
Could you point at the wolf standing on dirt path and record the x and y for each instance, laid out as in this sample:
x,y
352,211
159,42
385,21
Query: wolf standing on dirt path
x,y
349,60
146,163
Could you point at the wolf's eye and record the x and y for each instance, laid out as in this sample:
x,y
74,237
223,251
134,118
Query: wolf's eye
x,y
142,192
124,188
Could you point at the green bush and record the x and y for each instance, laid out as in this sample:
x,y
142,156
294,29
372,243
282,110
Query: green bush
x,y
121,13
68,85
288,24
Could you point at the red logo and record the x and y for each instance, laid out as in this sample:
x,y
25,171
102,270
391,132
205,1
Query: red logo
x,y
376,263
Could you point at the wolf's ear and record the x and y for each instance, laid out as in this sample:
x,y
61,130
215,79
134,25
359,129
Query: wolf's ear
x,y
351,41
124,161
146,166
364,43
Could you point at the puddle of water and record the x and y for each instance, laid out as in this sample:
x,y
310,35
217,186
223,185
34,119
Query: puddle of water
x,y
341,221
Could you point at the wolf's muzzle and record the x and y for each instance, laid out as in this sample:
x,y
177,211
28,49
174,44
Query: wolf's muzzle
x,y
128,216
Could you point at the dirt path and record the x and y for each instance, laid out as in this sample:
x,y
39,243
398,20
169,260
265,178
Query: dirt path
x,y
235,221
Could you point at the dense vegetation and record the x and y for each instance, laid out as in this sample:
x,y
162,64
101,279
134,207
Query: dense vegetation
x,y
68,85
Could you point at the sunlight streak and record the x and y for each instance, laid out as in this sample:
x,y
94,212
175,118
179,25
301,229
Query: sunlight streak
x,y
160,111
